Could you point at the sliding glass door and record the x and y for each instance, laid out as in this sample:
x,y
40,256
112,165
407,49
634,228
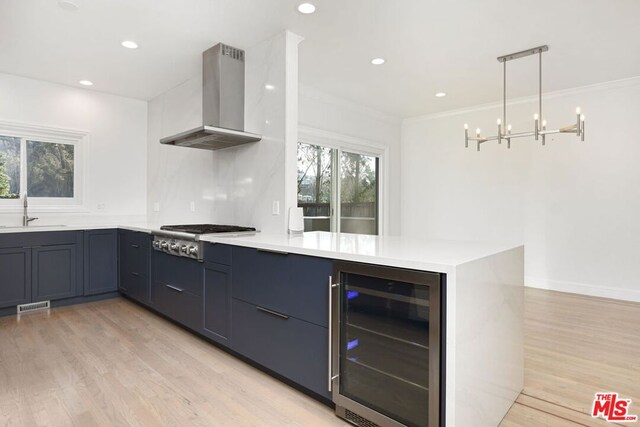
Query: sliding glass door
x,y
338,189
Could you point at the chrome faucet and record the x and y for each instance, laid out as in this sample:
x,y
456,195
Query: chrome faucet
x,y
26,219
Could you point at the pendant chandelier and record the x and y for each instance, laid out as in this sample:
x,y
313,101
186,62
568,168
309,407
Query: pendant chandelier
x,y
540,130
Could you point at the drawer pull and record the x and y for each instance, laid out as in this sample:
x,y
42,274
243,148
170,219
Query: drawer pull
x,y
274,313
133,273
135,246
174,288
271,251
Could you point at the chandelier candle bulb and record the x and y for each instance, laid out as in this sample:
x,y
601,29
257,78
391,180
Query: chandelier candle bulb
x,y
466,135
582,128
544,135
578,121
536,131
499,131
509,139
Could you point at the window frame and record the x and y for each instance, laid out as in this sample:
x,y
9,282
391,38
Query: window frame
x,y
39,133
340,143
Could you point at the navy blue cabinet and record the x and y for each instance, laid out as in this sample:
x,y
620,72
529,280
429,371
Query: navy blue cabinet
x,y
295,285
280,313
54,272
176,288
133,254
293,348
217,302
100,261
15,273
40,266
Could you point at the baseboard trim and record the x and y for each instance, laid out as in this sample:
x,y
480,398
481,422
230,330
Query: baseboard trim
x,y
583,289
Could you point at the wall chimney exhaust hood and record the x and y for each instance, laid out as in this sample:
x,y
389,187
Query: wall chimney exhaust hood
x,y
222,103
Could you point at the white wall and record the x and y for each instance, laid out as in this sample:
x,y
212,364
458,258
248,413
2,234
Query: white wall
x,y
115,172
337,118
574,205
236,185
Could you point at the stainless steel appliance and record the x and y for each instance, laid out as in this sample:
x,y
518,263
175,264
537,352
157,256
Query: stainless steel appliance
x,y
222,103
184,240
384,346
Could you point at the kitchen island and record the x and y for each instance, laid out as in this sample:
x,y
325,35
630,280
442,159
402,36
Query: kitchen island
x,y
484,313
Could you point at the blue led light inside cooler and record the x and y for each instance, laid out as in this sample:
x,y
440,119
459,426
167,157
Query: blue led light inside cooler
x,y
352,344
352,294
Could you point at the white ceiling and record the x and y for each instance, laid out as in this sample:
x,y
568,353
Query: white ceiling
x,y
429,45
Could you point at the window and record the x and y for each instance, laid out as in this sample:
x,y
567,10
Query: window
x,y
44,163
338,189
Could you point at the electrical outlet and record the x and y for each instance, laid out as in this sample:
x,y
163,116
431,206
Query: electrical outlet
x,y
102,206
275,207
156,207
192,206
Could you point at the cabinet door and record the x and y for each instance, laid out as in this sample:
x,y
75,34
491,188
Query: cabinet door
x,y
133,253
15,273
54,272
217,302
100,262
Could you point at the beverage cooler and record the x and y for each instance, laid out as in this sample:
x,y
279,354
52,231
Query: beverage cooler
x,y
385,344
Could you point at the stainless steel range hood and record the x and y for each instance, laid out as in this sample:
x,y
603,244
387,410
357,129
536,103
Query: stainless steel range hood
x,y
222,103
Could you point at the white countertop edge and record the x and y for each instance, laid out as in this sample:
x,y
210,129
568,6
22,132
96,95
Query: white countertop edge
x,y
291,244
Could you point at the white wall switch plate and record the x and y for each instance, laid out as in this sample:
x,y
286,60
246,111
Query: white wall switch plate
x,y
102,206
192,206
275,208
156,207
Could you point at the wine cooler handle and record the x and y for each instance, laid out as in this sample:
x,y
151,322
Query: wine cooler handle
x,y
330,333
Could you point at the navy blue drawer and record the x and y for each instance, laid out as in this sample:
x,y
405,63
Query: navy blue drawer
x,y
182,307
295,285
180,272
134,252
215,252
39,238
293,348
134,285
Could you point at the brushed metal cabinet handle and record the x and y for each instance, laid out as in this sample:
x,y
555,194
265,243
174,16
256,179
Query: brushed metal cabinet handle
x,y
332,286
174,288
271,251
133,273
275,313
135,246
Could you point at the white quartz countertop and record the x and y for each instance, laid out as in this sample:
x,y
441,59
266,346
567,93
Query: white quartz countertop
x,y
419,254
404,252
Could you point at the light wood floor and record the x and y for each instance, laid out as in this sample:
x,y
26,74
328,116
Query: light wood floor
x,y
114,363
576,346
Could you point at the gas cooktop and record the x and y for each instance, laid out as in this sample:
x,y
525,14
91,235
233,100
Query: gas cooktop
x,y
207,228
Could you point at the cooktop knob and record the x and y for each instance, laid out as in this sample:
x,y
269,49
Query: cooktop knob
x,y
192,250
184,249
174,247
156,244
164,245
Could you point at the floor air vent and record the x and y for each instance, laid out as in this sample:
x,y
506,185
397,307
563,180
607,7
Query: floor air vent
x,y
42,305
358,420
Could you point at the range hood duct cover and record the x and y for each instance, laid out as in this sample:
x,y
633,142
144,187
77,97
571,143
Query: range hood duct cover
x,y
222,103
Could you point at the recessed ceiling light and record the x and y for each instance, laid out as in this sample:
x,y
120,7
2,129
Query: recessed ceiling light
x,y
441,94
129,44
86,82
377,61
269,86
306,8
68,5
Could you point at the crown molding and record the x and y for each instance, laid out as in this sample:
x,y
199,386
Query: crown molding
x,y
613,84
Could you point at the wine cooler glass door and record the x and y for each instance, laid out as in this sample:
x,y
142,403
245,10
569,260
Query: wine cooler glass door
x,y
389,326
